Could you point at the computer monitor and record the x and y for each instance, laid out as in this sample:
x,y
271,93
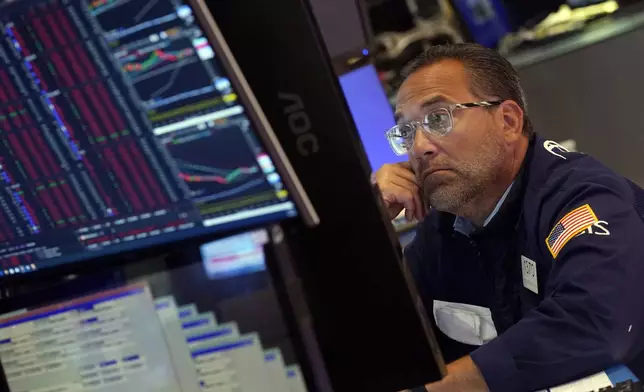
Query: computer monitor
x,y
371,111
333,294
139,336
124,128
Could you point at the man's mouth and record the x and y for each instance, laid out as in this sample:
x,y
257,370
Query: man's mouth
x,y
432,171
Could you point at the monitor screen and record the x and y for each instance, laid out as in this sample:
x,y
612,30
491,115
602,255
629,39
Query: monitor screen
x,y
121,129
371,112
236,255
128,339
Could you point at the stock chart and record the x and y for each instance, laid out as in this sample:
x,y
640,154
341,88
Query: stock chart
x,y
118,126
223,183
169,68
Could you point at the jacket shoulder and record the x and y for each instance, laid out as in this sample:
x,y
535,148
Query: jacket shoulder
x,y
561,181
554,170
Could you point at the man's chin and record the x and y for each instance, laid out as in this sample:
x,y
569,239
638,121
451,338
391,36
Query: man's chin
x,y
443,199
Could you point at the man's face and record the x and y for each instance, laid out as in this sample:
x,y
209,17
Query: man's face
x,y
455,169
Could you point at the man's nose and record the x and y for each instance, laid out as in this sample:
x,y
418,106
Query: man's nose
x,y
423,144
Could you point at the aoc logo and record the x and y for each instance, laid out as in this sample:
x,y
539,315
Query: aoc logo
x,y
555,148
300,124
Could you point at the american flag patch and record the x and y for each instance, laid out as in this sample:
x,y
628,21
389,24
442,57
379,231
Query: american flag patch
x,y
569,226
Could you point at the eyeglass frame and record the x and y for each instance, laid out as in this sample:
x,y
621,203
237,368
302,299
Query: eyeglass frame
x,y
425,125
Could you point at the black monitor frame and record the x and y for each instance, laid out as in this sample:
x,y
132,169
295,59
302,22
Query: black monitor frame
x,y
369,321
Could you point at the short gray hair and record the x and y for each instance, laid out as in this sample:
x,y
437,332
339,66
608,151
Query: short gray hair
x,y
491,75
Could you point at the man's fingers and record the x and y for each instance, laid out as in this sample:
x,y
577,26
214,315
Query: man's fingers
x,y
416,201
404,172
405,196
420,210
388,172
400,189
414,196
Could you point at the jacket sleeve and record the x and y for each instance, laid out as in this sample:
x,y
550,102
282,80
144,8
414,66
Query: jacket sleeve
x,y
592,316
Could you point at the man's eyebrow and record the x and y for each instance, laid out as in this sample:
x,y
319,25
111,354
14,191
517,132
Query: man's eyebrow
x,y
438,99
433,101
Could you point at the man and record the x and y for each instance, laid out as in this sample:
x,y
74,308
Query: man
x,y
532,257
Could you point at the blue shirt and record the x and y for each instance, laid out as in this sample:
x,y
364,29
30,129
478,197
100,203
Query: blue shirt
x,y
465,227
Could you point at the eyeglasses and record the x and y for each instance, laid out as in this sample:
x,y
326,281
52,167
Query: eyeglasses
x,y
438,122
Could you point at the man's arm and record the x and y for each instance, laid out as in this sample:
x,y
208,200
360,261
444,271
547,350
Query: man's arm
x,y
592,316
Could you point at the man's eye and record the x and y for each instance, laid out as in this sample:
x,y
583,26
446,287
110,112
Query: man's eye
x,y
437,119
406,132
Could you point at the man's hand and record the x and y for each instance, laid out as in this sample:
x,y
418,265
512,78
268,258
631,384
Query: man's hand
x,y
399,190
462,376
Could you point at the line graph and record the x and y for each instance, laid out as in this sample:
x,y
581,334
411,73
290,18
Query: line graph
x,y
158,102
156,58
125,19
147,8
171,81
163,70
231,176
164,55
234,191
217,164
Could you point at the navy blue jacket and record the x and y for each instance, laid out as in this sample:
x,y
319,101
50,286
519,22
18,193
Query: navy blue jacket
x,y
588,314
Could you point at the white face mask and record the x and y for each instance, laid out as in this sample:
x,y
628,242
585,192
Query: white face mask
x,y
464,323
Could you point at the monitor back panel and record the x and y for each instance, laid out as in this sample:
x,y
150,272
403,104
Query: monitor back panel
x,y
370,326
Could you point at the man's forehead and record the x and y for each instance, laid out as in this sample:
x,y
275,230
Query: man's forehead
x,y
444,81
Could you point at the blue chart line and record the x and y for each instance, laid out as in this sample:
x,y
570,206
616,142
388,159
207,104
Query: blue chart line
x,y
116,34
233,191
145,10
169,83
188,94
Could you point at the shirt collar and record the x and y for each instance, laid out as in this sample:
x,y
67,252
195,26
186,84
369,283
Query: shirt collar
x,y
465,227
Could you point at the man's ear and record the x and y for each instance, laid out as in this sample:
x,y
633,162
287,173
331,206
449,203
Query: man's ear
x,y
512,119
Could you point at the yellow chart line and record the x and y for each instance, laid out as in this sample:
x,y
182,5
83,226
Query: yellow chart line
x,y
238,203
192,108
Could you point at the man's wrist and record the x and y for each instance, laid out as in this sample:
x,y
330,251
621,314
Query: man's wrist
x,y
462,375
